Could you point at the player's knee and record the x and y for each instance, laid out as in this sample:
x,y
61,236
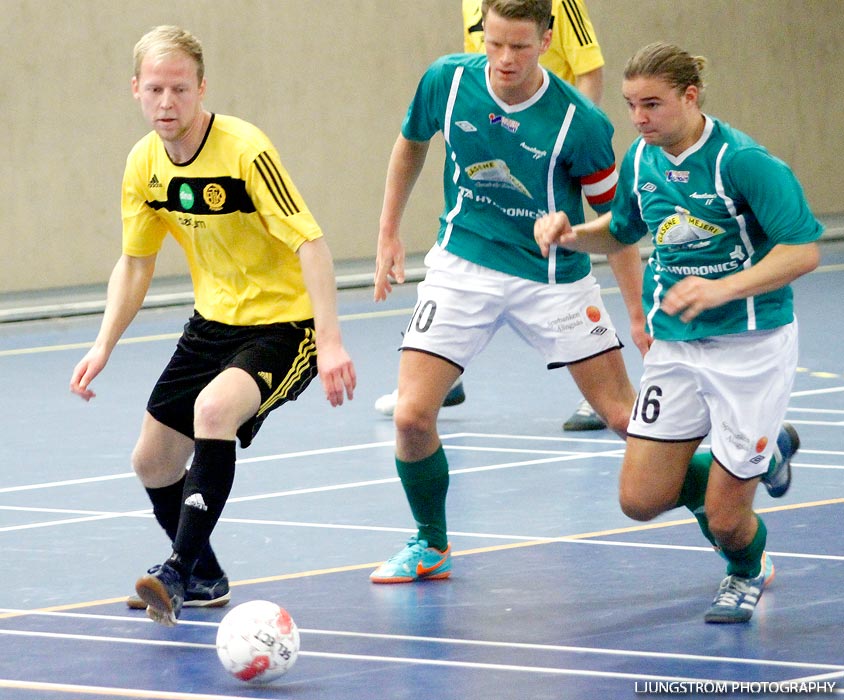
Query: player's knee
x,y
412,422
617,421
636,510
637,505
211,416
149,466
724,522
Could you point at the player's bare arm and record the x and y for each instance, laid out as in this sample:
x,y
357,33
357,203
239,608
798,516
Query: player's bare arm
x,y
592,237
591,84
784,264
626,265
336,370
127,287
406,162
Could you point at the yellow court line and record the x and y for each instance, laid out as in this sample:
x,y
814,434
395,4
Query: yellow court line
x,y
173,336
462,553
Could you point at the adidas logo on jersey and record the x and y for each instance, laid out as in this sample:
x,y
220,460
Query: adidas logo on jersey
x,y
195,500
267,377
154,182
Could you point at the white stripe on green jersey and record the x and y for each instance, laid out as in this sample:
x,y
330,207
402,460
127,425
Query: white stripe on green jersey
x,y
717,208
508,165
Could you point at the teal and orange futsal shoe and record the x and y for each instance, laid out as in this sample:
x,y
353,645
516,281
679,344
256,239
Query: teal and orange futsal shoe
x,y
416,562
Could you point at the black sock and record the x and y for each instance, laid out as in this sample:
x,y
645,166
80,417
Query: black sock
x,y
166,506
207,487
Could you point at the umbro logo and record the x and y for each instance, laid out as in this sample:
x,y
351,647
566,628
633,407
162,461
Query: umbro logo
x,y
195,500
154,182
468,127
267,377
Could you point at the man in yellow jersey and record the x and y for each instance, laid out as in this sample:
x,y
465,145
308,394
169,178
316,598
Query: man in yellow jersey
x,y
265,320
574,56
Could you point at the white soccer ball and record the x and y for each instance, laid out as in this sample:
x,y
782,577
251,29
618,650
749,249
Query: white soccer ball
x,y
257,641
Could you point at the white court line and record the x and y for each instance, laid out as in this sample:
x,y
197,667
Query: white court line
x,y
102,690
816,392
372,445
559,456
434,641
562,539
315,489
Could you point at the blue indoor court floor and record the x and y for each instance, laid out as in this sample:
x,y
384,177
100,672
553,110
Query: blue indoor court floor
x,y
554,593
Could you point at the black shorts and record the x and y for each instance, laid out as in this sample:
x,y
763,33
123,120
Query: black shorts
x,y
280,357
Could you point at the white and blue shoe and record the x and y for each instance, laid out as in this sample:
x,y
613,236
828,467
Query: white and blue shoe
x,y
737,596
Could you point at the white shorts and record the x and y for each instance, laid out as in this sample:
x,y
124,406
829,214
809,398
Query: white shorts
x,y
461,305
735,387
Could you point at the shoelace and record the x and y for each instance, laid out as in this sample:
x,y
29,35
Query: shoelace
x,y
584,409
408,552
732,589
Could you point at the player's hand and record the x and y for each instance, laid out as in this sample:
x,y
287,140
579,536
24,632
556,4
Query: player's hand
x,y
693,295
389,265
641,339
551,229
85,371
337,374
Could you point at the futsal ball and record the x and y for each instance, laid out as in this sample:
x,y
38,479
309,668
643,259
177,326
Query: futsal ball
x,y
257,641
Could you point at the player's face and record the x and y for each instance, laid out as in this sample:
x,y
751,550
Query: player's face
x,y
663,115
513,47
170,94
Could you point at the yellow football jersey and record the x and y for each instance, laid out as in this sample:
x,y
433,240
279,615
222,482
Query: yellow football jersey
x,y
236,213
574,50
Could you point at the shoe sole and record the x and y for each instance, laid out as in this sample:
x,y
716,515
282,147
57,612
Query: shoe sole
x,y
135,603
586,424
155,595
409,579
717,618
454,400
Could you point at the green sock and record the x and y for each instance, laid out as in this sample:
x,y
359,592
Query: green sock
x,y
693,493
426,483
747,562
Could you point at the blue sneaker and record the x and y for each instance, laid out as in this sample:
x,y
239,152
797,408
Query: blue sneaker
x,y
416,562
456,395
199,593
778,478
584,418
163,591
737,596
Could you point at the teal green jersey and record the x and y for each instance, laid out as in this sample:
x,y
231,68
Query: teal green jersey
x,y
714,210
508,165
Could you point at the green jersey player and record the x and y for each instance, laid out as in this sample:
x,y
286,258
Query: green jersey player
x,y
731,229
519,143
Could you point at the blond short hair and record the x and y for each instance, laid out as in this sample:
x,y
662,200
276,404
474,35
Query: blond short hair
x,y
167,39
